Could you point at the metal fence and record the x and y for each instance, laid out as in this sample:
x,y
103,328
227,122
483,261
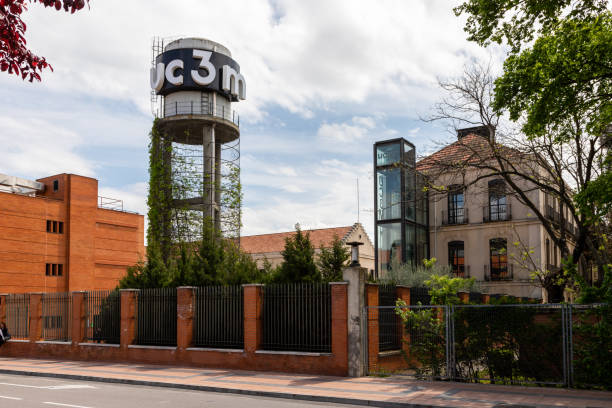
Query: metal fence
x,y
297,317
551,344
156,317
219,317
103,310
419,294
389,323
18,315
56,316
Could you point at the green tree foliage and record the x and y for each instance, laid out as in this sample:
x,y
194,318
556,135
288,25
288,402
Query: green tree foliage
x,y
298,260
154,273
332,260
517,22
564,78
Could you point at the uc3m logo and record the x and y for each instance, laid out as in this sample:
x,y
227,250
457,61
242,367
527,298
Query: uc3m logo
x,y
231,81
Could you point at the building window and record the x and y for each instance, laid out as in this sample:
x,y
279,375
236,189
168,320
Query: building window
x,y
498,249
498,206
55,227
54,269
388,193
456,205
456,258
55,185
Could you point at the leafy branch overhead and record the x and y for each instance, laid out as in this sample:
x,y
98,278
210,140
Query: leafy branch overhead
x,y
15,56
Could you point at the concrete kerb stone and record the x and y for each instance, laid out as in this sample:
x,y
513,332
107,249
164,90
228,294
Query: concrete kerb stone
x,y
206,388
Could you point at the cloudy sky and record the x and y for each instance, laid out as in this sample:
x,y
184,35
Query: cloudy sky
x,y
325,79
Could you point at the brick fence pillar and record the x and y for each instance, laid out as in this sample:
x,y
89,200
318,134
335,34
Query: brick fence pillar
x,y
79,317
35,316
403,293
128,316
339,324
253,309
372,302
3,307
184,314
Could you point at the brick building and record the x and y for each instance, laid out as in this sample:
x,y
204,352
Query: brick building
x,y
56,235
269,246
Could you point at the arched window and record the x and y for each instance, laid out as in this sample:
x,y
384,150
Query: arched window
x,y
498,249
456,258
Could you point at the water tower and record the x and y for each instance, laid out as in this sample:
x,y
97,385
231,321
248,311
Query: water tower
x,y
194,83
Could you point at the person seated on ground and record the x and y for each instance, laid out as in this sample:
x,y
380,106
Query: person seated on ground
x,y
4,334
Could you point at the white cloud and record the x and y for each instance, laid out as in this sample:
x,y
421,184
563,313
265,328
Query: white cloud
x,y
35,148
385,55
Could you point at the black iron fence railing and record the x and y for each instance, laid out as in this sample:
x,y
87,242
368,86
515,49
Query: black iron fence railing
x,y
219,317
498,212
419,294
499,274
455,216
297,317
18,315
197,108
156,317
103,311
56,316
389,323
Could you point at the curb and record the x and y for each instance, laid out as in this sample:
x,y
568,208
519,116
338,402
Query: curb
x,y
270,394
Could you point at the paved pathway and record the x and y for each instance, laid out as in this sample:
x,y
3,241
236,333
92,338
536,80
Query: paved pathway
x,y
375,391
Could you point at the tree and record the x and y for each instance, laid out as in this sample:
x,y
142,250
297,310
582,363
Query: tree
x,y
517,22
551,162
15,57
298,260
332,260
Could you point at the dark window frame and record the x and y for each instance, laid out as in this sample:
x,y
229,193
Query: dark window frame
x,y
456,212
456,252
498,210
498,258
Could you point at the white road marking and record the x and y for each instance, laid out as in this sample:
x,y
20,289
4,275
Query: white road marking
x,y
51,387
65,405
11,398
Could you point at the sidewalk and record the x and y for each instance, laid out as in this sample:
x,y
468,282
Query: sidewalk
x,y
373,391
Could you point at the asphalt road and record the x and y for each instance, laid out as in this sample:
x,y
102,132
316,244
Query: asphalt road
x,y
28,392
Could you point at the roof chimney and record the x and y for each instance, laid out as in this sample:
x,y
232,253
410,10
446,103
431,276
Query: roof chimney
x,y
483,131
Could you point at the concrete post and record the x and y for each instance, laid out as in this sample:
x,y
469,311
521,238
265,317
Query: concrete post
x,y
339,323
128,316
253,308
373,330
356,278
79,317
35,315
184,314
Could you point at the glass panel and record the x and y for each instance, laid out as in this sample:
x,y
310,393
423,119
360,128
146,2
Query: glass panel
x,y
455,205
421,244
410,190
410,243
408,158
389,246
387,154
456,258
499,258
497,201
388,193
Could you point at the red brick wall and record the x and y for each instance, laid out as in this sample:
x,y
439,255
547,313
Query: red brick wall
x,y
96,247
334,363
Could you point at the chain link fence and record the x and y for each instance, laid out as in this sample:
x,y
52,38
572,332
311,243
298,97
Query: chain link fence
x,y
543,344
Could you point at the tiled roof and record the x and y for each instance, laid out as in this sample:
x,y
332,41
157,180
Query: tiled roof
x,y
469,148
257,244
